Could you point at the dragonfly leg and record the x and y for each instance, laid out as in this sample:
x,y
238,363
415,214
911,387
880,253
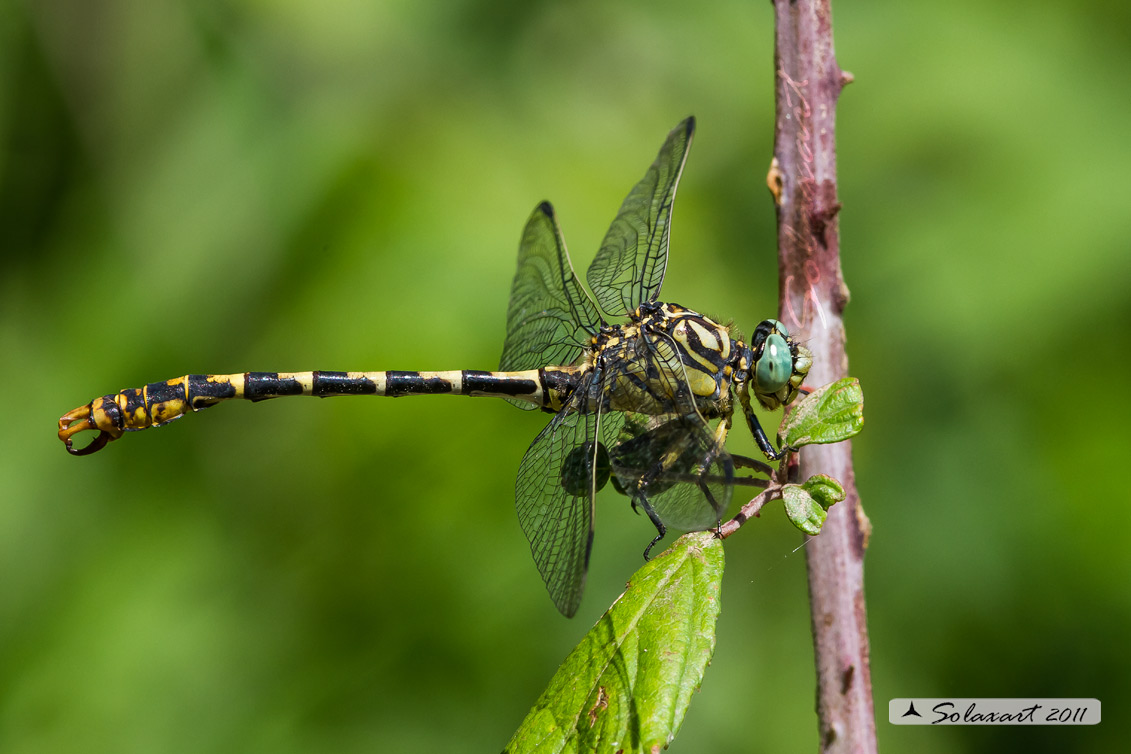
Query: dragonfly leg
x,y
657,471
720,442
720,438
661,529
714,504
760,437
745,462
641,499
764,443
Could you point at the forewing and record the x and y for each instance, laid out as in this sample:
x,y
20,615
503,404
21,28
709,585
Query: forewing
x,y
550,318
629,268
558,523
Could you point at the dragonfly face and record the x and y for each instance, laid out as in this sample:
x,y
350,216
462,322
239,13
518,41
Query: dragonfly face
x,y
780,365
642,392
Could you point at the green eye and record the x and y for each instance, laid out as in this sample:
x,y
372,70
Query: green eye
x,y
778,327
775,366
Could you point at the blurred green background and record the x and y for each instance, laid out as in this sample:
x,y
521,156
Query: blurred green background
x,y
231,186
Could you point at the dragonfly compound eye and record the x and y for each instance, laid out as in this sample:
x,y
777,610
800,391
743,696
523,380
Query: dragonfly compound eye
x,y
774,366
576,466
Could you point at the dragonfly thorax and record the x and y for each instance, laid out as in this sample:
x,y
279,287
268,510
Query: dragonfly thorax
x,y
664,358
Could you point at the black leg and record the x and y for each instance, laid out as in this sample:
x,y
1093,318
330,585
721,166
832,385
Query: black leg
x,y
661,530
764,443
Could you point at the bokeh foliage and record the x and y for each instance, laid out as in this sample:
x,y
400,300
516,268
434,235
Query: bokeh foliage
x,y
223,186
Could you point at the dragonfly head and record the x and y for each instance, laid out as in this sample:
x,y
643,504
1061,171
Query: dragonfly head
x,y
778,364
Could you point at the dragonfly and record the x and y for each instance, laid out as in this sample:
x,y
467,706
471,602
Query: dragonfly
x,y
642,392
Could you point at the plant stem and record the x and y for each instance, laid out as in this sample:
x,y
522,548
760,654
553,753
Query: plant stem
x,y
751,510
813,295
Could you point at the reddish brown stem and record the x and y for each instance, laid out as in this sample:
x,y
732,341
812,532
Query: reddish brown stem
x,y
813,295
751,510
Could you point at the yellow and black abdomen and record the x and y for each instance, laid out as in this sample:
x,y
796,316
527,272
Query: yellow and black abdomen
x,y
162,402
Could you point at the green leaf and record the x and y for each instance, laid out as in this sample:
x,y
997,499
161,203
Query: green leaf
x,y
627,685
830,413
807,503
825,490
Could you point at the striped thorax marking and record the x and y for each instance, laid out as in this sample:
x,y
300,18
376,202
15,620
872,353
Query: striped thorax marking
x,y
664,351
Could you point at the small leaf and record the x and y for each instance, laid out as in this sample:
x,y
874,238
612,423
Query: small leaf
x,y
824,490
627,685
804,512
830,413
806,503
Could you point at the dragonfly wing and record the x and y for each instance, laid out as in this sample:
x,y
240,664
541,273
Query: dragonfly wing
x,y
550,318
689,479
557,481
629,268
